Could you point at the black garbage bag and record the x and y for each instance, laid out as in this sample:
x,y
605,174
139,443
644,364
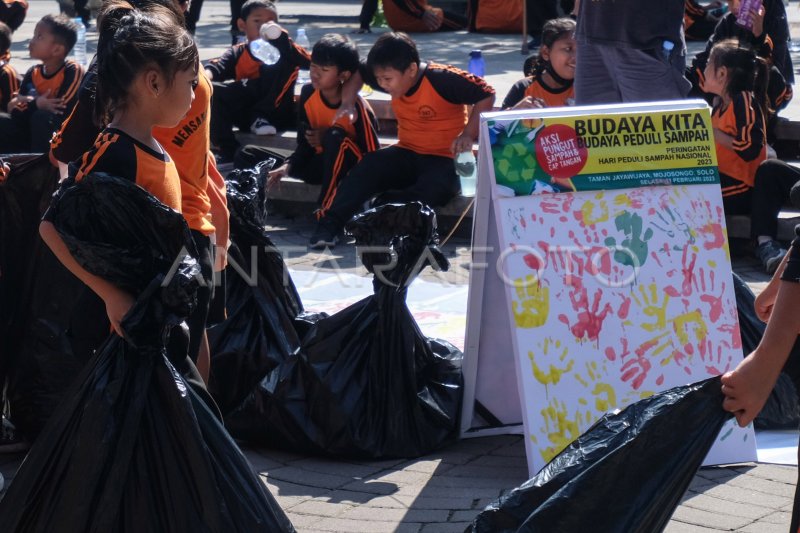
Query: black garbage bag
x,y
132,448
625,474
781,410
261,300
50,322
365,382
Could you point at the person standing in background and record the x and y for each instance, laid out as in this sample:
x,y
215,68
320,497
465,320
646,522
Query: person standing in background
x,y
630,51
368,10
537,13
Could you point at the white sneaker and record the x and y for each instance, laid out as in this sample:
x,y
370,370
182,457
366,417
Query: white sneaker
x,y
262,127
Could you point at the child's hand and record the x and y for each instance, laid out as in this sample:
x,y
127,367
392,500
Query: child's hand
x,y
314,137
432,20
51,105
758,21
275,176
118,303
747,388
530,102
462,143
17,100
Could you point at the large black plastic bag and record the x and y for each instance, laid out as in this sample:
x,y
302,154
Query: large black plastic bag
x,y
626,474
365,382
781,410
50,322
133,448
261,300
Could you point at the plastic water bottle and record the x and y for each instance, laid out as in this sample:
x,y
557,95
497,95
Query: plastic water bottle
x,y
264,51
476,63
79,50
744,17
270,31
666,50
466,168
262,48
302,40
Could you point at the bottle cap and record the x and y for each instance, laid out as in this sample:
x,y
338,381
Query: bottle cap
x,y
668,45
475,53
270,31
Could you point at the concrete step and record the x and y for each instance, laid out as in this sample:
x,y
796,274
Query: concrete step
x,y
739,225
295,198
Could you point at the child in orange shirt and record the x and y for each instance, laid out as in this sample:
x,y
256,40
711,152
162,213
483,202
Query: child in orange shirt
x,y
162,82
549,82
326,151
738,79
433,125
9,79
49,90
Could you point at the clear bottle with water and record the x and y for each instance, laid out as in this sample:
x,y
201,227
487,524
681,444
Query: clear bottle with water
x,y
301,39
466,168
476,64
79,50
262,48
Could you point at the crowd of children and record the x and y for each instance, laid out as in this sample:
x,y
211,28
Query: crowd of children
x,y
165,122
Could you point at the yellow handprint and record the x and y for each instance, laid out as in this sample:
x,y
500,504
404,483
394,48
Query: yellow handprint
x,y
533,309
561,431
690,322
552,374
605,397
650,307
594,213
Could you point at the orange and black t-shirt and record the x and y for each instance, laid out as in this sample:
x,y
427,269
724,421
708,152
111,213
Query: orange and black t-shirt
x,y
63,83
741,119
314,112
434,111
9,84
188,144
118,154
238,62
536,87
78,131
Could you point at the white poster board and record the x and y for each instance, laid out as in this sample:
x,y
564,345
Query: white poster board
x,y
614,288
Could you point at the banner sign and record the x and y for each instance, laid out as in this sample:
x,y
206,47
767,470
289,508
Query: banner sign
x,y
613,256
604,151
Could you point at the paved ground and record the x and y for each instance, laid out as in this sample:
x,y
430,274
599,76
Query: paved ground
x,y
442,492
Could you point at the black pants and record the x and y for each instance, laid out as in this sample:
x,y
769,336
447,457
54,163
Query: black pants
x,y
193,15
240,103
28,131
537,13
368,9
773,182
328,168
397,175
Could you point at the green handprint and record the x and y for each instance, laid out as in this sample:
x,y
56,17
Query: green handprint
x,y
632,251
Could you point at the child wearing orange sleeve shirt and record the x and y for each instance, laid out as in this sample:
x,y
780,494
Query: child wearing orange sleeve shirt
x,y
433,124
